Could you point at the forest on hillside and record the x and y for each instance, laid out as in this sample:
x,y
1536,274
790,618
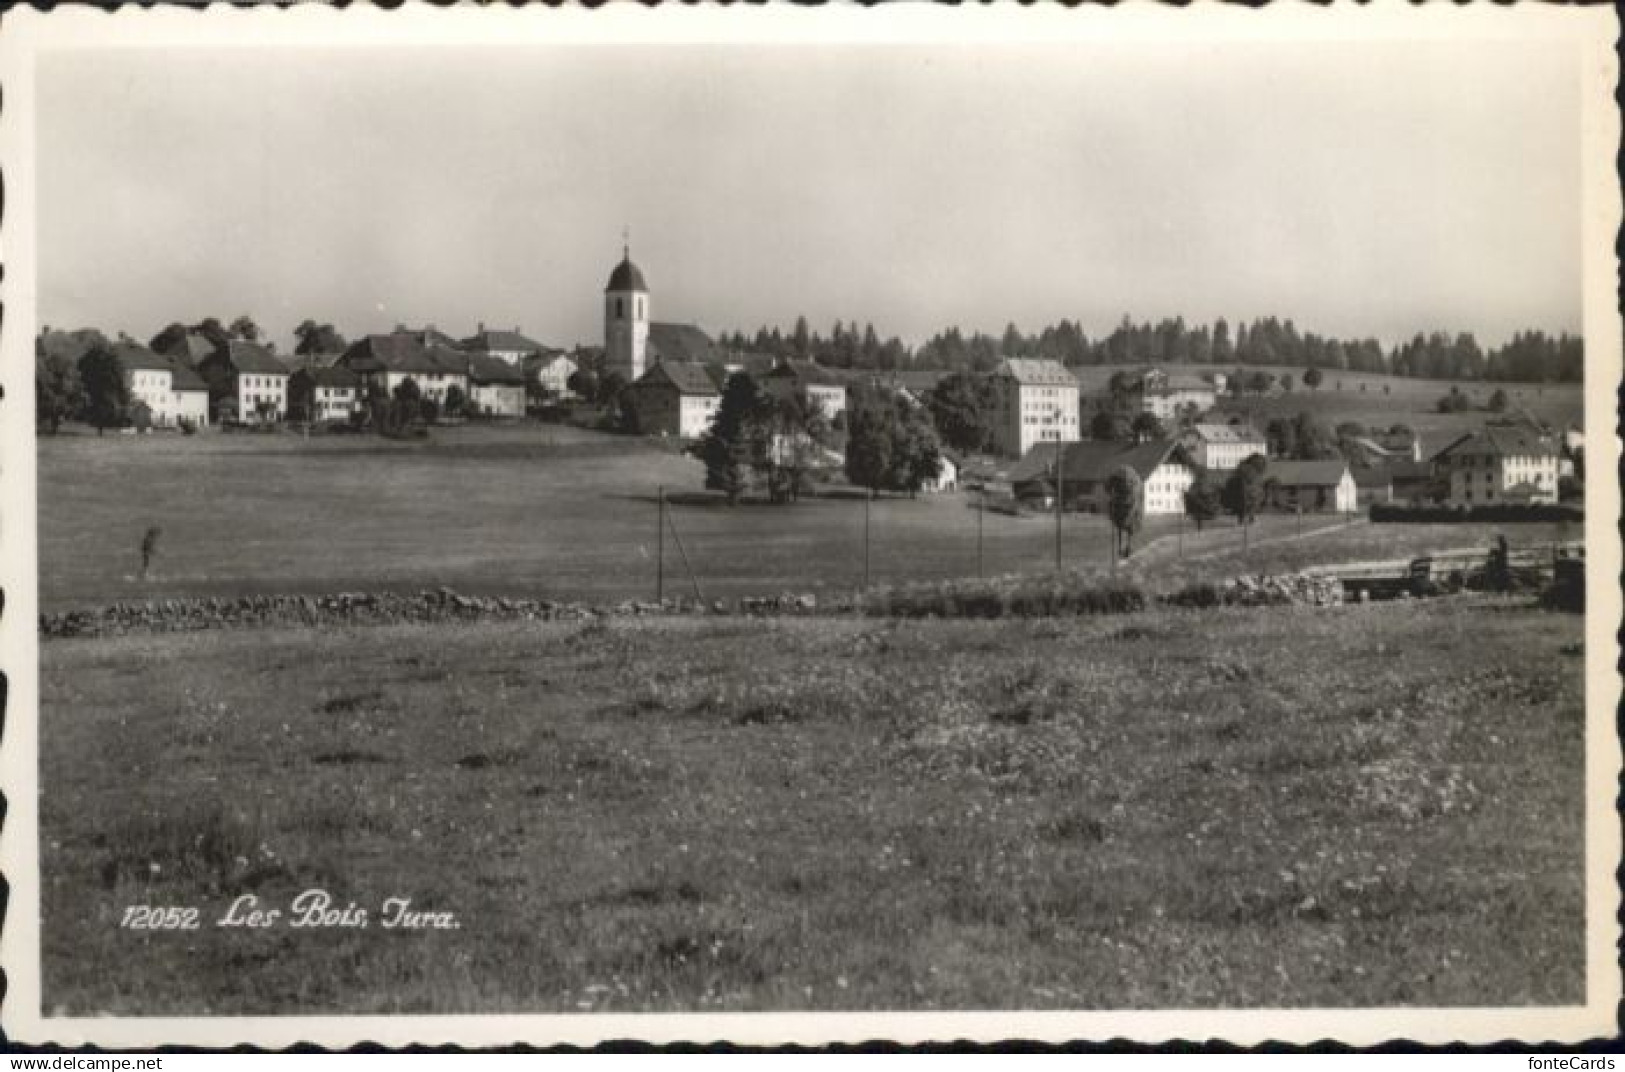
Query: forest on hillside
x,y
1529,357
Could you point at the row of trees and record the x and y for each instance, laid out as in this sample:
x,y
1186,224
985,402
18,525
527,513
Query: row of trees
x,y
93,388
1241,496
1530,357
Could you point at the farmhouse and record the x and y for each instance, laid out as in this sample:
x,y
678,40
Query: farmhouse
x,y
246,382
323,390
947,478
1164,467
1037,402
170,390
674,399
1223,446
496,388
1413,482
510,346
1166,396
384,362
822,385
1310,486
1502,463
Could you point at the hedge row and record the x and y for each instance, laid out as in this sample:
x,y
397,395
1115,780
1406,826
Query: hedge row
x,y
1485,512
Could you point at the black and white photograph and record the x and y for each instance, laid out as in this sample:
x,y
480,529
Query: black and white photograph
x,y
802,524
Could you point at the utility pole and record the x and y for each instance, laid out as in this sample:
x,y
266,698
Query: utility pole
x,y
866,499
660,545
981,502
1060,493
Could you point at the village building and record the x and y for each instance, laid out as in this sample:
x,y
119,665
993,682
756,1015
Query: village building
x,y
1166,471
1169,395
551,371
1373,484
246,382
170,390
682,342
947,478
1413,482
504,345
1310,486
822,385
384,362
496,388
1499,464
323,390
1223,446
673,399
1036,402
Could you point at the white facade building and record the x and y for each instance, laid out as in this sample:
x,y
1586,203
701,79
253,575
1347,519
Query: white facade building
x,y
1037,402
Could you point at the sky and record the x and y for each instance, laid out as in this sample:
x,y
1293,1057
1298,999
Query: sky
x,y
1361,189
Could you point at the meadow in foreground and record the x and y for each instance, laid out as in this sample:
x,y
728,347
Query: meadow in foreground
x,y
1355,806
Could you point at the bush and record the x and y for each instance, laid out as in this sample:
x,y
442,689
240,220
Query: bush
x,y
187,425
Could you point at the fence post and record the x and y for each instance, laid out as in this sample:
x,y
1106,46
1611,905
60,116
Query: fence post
x,y
981,501
870,495
660,545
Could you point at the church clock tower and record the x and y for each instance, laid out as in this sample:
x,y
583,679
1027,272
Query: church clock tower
x,y
626,320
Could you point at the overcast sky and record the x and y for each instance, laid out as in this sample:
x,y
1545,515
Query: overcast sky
x,y
1360,189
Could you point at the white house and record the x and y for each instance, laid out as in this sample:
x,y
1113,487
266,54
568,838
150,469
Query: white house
x,y
1166,396
323,390
947,478
1223,446
1164,467
384,362
246,382
1037,402
170,390
1499,464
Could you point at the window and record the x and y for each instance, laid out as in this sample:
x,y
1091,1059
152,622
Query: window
x,y
619,309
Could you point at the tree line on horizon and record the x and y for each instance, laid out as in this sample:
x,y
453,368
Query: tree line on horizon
x,y
1529,357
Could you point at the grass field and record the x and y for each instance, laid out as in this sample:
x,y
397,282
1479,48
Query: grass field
x,y
531,510
1358,806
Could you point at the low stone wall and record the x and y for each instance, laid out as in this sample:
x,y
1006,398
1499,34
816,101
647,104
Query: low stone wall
x,y
381,608
1290,589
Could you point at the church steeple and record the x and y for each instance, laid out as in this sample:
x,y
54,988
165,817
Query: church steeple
x,y
626,316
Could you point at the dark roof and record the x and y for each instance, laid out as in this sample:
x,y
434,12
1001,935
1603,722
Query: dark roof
x,y
1298,474
404,352
1037,371
1409,470
296,362
485,369
681,342
506,341
328,375
1500,440
626,275
245,356
1373,477
805,372
135,356
688,378
193,347
1094,460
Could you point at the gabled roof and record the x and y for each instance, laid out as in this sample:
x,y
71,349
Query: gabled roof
x,y
249,357
311,361
430,336
1227,433
688,378
328,375
1037,372
1094,460
1500,441
681,342
487,370
1373,477
1371,445
135,356
501,340
808,373
193,348
1298,474
1177,383
402,352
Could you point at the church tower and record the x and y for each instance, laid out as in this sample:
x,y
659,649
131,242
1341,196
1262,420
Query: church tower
x,y
626,319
